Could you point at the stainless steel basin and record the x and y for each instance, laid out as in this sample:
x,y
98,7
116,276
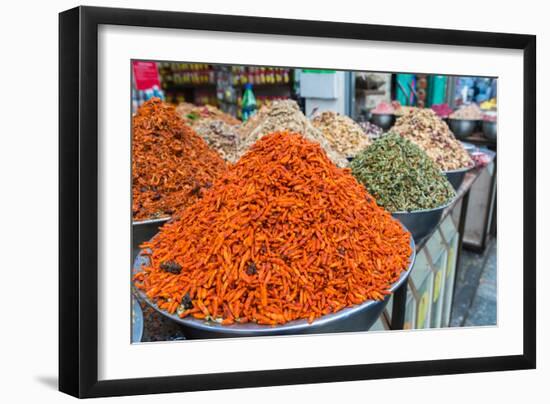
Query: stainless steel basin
x,y
462,128
421,222
490,130
145,230
456,177
385,121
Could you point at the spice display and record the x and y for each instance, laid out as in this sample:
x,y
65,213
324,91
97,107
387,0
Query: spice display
x,y
171,164
401,176
192,114
371,130
401,110
431,134
442,110
284,115
481,159
282,235
342,133
469,112
220,136
489,116
383,108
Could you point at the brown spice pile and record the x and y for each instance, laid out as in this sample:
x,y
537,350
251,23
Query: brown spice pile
x,y
284,115
220,136
430,133
283,235
469,112
171,165
343,134
192,114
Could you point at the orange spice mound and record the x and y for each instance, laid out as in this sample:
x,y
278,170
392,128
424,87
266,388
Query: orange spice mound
x,y
171,164
284,234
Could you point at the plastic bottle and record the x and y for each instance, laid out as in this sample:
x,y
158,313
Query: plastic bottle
x,y
249,102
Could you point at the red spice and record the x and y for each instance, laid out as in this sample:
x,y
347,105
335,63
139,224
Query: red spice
x,y
171,164
282,235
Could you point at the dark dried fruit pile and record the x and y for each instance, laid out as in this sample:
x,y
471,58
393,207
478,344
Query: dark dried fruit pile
x,y
171,164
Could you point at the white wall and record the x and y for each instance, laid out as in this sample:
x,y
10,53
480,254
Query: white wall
x,y
28,170
317,98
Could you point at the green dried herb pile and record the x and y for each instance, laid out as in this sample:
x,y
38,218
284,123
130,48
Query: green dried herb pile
x,y
401,176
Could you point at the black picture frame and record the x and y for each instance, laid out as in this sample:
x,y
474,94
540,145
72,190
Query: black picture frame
x,y
78,200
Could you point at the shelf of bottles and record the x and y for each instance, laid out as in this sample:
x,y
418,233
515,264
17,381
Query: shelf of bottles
x,y
268,84
189,82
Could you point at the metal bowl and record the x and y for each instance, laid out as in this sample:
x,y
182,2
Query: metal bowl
x,y
355,318
385,121
145,230
421,222
456,177
462,128
469,147
490,130
137,321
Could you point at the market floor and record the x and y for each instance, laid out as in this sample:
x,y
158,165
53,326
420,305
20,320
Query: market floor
x,y
475,300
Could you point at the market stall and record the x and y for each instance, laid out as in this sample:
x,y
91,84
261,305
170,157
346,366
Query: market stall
x,y
404,173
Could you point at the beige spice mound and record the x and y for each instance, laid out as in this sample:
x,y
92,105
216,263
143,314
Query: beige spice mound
x,y
284,115
220,136
192,114
431,133
342,133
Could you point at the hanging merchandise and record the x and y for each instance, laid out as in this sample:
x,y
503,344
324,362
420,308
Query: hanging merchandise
x,y
437,89
404,85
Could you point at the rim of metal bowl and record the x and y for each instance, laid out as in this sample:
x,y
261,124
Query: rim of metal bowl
x,y
459,170
151,221
383,113
137,321
441,207
463,119
296,325
467,145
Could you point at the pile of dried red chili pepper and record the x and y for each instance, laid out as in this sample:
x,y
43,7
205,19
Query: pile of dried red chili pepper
x,y
171,164
282,235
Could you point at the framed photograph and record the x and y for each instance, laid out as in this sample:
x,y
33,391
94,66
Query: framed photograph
x,y
251,201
